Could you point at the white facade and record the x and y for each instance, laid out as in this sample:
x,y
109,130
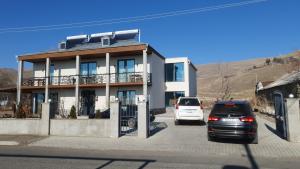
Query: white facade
x,y
189,84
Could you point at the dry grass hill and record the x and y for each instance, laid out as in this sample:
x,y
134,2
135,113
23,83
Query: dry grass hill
x,y
238,79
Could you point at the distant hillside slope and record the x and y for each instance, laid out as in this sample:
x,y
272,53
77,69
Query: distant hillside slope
x,y
239,78
8,77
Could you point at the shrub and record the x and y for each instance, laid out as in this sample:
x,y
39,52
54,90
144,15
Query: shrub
x,y
98,114
278,60
20,112
73,112
268,61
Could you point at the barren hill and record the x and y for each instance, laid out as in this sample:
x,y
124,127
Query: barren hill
x,y
238,79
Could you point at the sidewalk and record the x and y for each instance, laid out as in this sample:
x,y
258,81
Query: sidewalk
x,y
189,139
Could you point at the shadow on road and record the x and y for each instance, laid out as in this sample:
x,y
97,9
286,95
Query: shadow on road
x,y
249,154
157,127
274,131
145,162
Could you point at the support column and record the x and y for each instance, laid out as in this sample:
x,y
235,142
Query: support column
x,y
20,78
143,120
77,84
47,80
115,119
107,81
145,76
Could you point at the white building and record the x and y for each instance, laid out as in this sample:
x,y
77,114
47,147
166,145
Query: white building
x,y
88,71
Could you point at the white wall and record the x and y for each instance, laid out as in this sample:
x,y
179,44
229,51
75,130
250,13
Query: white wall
x,y
20,126
157,89
189,85
90,128
192,80
179,86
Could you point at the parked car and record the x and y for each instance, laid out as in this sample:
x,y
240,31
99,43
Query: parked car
x,y
232,119
188,108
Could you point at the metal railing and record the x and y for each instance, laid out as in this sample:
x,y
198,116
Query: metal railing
x,y
34,81
128,77
62,80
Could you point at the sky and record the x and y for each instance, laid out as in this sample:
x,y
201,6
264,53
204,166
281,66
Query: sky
x,y
265,29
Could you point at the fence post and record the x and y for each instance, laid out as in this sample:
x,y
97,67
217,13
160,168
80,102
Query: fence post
x,y
115,119
45,119
293,119
143,119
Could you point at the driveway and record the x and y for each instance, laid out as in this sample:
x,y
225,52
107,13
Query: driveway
x,y
187,138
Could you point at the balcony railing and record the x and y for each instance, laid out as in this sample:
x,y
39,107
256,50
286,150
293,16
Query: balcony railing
x,y
129,77
62,80
35,81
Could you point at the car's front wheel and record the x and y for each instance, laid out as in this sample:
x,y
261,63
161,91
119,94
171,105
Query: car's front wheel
x,y
176,122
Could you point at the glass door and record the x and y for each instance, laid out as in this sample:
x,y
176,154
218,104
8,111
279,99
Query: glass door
x,y
125,69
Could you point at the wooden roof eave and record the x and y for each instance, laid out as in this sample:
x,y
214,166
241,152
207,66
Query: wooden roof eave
x,y
68,54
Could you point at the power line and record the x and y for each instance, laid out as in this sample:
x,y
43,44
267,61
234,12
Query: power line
x,y
127,19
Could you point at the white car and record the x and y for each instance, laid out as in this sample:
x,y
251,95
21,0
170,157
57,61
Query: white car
x,y
188,108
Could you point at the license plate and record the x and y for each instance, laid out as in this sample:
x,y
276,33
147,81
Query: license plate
x,y
230,119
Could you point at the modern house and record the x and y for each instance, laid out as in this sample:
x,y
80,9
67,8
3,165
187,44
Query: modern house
x,y
89,71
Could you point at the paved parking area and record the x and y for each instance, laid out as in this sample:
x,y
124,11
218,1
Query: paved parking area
x,y
188,138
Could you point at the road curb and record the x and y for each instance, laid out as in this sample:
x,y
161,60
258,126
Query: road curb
x,y
8,143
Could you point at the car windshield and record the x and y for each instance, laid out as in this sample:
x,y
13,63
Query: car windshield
x,y
189,102
231,108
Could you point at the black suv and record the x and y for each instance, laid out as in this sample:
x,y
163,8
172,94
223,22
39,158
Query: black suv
x,y
232,119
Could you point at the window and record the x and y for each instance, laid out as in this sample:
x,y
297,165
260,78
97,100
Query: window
x,y
88,68
125,69
171,97
126,97
189,102
174,72
105,41
52,68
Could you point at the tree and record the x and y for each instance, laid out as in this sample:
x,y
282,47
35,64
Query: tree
x,y
73,112
268,61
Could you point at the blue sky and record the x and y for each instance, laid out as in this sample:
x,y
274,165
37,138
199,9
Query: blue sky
x,y
259,30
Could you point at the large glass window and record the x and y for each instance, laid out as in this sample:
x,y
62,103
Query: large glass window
x,y
174,72
171,97
88,68
125,69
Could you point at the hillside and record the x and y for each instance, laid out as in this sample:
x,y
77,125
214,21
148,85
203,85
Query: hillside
x,y
238,79
8,77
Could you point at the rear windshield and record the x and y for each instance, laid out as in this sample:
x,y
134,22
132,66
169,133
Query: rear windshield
x,y
232,108
189,102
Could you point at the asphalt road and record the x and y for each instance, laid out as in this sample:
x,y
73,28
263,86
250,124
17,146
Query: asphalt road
x,y
36,157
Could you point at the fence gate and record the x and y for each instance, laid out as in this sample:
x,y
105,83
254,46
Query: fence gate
x,y
128,119
280,114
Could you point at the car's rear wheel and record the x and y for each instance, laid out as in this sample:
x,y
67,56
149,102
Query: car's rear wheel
x,y
210,138
255,140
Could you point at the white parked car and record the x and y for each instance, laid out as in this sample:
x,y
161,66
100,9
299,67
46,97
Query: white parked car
x,y
188,108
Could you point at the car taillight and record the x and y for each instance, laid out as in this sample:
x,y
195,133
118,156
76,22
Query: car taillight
x,y
213,118
176,106
247,119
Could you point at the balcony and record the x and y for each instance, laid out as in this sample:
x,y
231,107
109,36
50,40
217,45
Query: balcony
x,y
128,78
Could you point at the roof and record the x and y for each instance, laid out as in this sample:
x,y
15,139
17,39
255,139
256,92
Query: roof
x,y
88,46
284,80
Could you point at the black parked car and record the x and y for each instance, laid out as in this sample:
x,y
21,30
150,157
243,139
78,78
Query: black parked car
x,y
232,119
